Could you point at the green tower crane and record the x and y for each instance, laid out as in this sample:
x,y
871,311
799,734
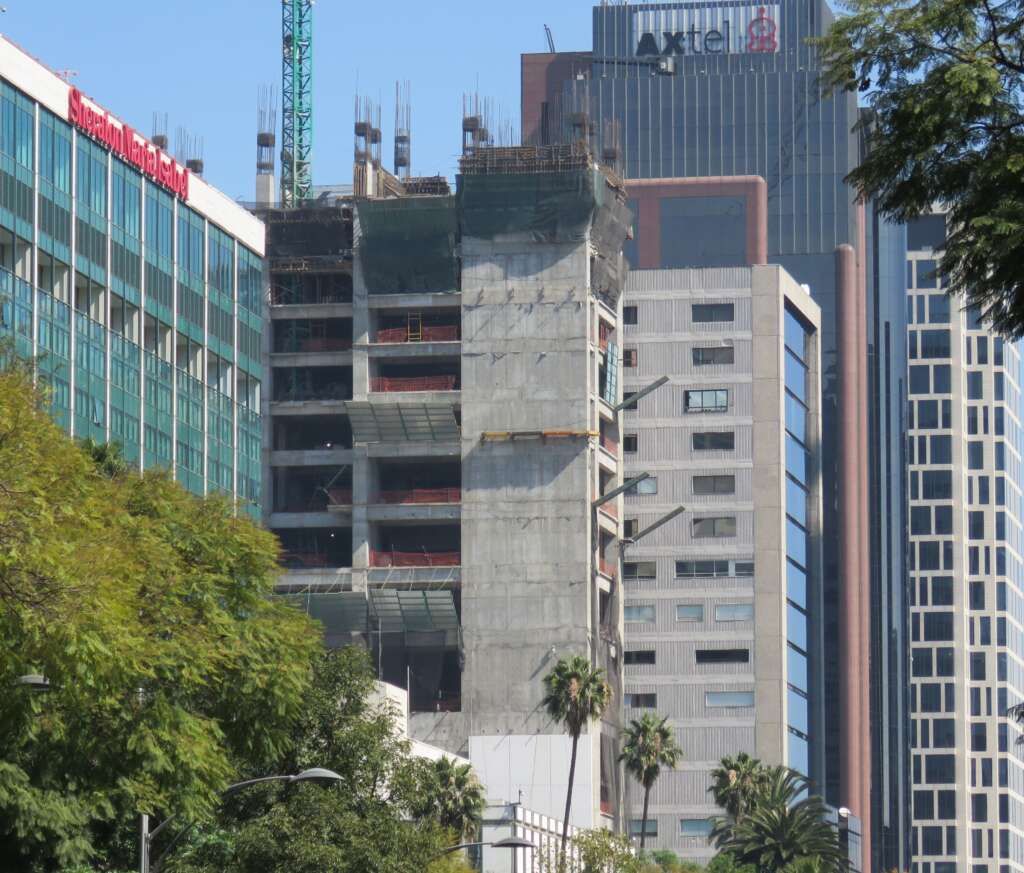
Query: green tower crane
x,y
296,101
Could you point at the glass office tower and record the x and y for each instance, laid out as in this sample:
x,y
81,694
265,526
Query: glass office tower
x,y
137,287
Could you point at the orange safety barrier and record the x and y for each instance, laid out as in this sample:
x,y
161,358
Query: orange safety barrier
x,y
413,383
606,568
422,495
339,496
610,443
415,559
609,509
430,333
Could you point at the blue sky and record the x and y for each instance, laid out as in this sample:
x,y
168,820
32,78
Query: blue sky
x,y
202,61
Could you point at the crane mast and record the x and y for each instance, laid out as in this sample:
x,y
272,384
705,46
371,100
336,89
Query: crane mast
x,y
296,101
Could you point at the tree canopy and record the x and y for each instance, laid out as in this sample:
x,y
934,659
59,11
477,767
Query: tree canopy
x,y
944,82
362,825
146,608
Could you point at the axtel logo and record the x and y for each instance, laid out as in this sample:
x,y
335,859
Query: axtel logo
x,y
761,36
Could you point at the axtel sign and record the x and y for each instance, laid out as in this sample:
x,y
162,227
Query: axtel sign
x,y
685,30
129,145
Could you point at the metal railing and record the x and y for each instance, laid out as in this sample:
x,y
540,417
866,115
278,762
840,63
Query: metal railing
x,y
414,559
413,383
429,333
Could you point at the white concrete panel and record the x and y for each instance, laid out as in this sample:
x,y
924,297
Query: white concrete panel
x,y
537,765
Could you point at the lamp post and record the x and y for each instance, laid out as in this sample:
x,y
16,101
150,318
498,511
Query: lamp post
x,y
507,843
146,836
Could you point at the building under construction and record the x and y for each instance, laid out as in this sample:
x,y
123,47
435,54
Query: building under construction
x,y
442,424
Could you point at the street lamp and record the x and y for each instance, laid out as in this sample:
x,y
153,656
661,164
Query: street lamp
x,y
146,836
507,843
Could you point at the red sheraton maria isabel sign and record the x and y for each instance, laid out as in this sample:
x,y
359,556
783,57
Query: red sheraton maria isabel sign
x,y
125,142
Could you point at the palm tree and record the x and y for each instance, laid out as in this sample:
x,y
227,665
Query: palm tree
x,y
452,796
577,694
1016,712
783,826
648,745
736,782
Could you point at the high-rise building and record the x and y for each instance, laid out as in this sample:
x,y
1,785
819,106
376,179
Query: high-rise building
x,y
965,443
730,92
723,604
138,287
443,418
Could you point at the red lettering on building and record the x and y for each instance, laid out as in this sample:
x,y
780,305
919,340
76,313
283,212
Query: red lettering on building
x,y
126,143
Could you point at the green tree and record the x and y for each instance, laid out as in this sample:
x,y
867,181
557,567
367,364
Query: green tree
x,y
1016,713
648,745
575,695
782,827
450,795
362,824
736,783
147,610
595,851
944,82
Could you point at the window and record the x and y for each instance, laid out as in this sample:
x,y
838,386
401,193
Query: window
x,y
694,827
643,656
714,440
919,379
646,486
629,357
722,526
935,344
943,733
734,612
729,699
723,656
705,356
703,313
640,570
644,613
939,769
648,827
714,484
629,315
938,626
641,701
936,485
702,568
630,443
707,400
975,386
629,527
627,400
689,612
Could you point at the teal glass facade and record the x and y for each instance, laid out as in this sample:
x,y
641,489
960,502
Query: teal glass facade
x,y
144,318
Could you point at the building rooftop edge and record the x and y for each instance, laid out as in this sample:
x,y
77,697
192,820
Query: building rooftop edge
x,y
36,79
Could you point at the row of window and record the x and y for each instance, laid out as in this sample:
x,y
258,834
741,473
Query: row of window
x,y
689,569
646,657
702,441
700,313
712,699
645,612
700,485
688,827
702,356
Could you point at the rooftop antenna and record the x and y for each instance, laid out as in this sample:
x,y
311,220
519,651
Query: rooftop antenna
x,y
551,39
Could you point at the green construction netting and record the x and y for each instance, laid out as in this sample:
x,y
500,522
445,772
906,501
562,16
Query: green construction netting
x,y
551,207
408,244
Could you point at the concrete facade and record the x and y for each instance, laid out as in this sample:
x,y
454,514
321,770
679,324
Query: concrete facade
x,y
719,633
